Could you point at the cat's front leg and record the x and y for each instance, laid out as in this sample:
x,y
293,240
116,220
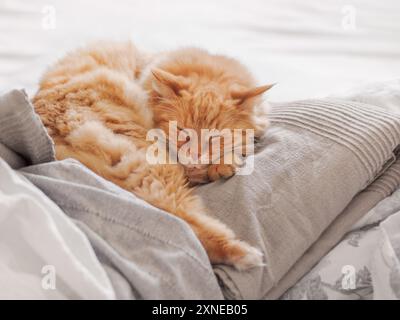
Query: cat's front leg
x,y
225,169
218,171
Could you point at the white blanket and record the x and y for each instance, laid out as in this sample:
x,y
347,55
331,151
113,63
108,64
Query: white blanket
x,y
34,230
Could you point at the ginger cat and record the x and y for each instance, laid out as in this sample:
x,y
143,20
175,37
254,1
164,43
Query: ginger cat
x,y
99,102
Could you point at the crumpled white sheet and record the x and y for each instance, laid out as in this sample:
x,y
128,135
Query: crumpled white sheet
x,y
34,230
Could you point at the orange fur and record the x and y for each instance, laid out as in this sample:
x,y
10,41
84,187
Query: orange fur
x,y
99,102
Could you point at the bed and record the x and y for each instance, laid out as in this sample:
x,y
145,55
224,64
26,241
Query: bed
x,y
308,48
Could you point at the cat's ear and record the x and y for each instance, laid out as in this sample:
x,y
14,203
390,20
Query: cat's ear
x,y
242,94
166,83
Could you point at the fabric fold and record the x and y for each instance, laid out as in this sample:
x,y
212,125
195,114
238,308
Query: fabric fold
x,y
22,130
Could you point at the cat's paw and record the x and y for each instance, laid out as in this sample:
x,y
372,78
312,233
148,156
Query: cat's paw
x,y
244,256
218,171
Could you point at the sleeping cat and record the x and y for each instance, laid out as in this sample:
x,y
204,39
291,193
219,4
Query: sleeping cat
x,y
99,102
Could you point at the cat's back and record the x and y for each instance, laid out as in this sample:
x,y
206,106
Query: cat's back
x,y
205,66
122,57
77,86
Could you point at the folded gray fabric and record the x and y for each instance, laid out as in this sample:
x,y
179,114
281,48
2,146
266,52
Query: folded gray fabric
x,y
22,132
304,193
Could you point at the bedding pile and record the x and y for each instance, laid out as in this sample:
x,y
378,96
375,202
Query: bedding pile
x,y
322,166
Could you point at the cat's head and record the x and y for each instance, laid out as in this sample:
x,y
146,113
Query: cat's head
x,y
195,105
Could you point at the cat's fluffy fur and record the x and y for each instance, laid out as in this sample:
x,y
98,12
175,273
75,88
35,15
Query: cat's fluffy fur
x,y
99,102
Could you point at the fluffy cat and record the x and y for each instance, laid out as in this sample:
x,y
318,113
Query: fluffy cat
x,y
99,102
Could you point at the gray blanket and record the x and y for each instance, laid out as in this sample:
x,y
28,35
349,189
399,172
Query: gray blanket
x,y
322,165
